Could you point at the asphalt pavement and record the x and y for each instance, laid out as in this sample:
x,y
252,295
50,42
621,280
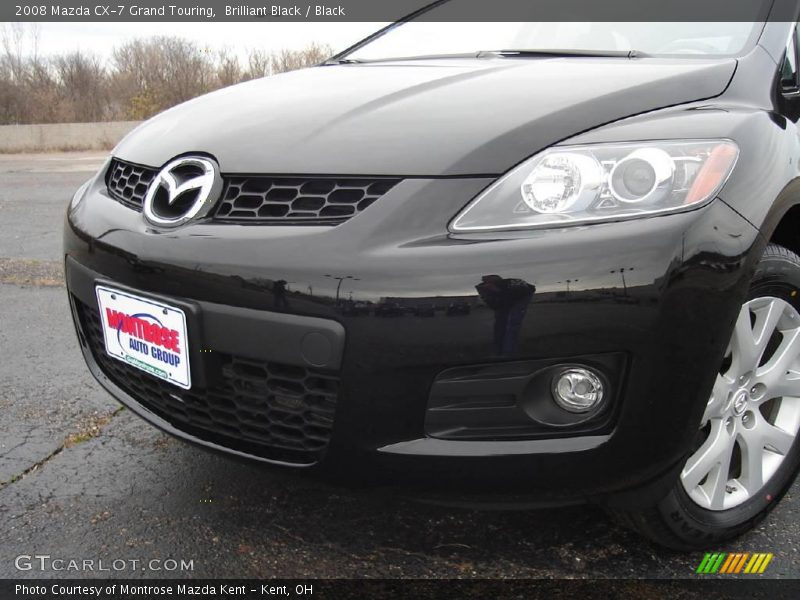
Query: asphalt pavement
x,y
82,479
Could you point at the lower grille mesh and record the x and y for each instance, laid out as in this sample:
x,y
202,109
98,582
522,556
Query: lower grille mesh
x,y
272,410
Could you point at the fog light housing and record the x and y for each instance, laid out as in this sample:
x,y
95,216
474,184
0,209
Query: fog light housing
x,y
578,390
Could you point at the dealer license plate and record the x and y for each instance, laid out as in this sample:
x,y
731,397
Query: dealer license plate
x,y
145,334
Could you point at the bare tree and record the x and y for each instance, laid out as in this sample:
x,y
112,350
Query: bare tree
x,y
84,90
8,94
20,44
258,64
30,91
143,76
229,71
290,60
152,75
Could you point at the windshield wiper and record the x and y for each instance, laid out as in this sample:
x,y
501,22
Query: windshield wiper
x,y
342,61
496,53
566,53
359,61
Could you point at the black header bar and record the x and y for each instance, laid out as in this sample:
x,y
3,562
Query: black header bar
x,y
392,10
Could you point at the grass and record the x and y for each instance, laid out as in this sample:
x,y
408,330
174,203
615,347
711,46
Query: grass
x,y
90,429
20,271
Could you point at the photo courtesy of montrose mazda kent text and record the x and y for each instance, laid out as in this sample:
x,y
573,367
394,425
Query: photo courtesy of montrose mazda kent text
x,y
471,261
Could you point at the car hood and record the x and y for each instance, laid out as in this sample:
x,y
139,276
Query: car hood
x,y
423,118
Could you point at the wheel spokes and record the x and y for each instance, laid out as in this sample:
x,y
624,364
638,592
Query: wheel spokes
x,y
743,344
780,383
752,477
775,438
779,374
709,456
767,318
718,480
754,406
718,399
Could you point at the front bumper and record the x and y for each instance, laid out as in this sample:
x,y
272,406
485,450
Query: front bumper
x,y
661,292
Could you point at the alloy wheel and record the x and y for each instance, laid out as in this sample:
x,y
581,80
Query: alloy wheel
x,y
753,416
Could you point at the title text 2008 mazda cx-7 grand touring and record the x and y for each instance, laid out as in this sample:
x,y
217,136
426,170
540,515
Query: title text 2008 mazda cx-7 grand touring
x,y
555,261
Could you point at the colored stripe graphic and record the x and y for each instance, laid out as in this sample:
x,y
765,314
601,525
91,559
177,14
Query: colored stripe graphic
x,y
740,564
711,562
703,563
734,563
718,564
758,563
702,567
767,560
729,562
752,566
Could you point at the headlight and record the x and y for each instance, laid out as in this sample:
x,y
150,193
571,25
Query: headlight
x,y
572,185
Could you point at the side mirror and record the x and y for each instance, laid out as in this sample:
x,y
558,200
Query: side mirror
x,y
789,70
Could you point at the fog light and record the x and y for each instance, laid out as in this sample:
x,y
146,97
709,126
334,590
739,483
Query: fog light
x,y
577,390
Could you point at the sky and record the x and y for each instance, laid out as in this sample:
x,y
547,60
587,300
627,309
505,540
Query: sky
x,y
239,38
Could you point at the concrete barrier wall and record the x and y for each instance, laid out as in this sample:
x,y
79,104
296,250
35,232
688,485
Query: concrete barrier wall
x,y
63,136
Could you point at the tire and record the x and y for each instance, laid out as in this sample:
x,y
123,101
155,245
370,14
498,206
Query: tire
x,y
759,426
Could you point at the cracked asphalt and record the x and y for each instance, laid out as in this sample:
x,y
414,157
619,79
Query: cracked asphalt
x,y
80,478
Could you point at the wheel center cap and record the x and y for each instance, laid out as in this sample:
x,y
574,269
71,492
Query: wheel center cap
x,y
740,402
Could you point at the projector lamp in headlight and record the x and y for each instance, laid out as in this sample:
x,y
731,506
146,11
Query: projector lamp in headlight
x,y
644,175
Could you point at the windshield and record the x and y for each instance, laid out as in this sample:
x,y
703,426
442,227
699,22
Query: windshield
x,y
427,39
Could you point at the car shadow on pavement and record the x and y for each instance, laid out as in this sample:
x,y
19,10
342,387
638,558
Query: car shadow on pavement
x,y
344,532
136,492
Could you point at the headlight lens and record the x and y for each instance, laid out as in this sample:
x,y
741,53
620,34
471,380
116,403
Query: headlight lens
x,y
572,185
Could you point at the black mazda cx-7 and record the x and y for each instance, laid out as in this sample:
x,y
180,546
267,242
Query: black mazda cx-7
x,y
548,262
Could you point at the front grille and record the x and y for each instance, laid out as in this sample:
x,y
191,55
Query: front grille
x,y
127,183
275,411
273,199
259,199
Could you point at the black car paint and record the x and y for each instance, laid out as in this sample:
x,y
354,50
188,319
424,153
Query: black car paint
x,y
434,118
663,291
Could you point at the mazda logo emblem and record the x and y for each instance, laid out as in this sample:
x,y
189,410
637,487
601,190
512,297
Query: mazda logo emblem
x,y
184,190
